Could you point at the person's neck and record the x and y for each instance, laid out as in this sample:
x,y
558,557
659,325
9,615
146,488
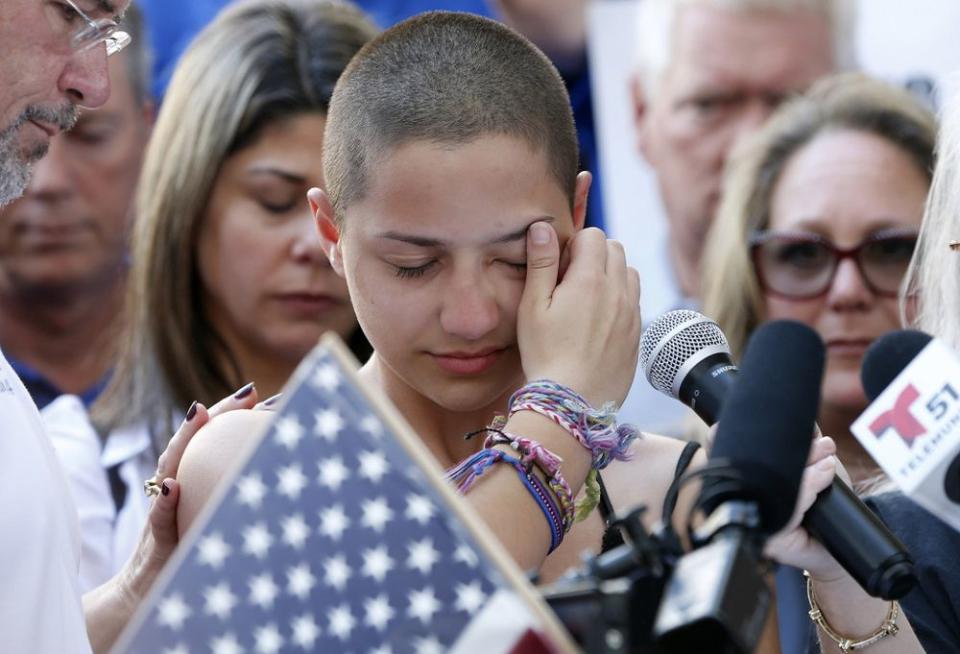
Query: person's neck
x,y
69,338
835,422
686,269
441,430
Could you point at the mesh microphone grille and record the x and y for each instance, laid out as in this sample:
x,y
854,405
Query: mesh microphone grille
x,y
671,340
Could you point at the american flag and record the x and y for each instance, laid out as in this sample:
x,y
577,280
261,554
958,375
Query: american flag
x,y
332,539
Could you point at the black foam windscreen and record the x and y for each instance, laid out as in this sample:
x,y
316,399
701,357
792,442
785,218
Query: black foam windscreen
x,y
888,356
767,422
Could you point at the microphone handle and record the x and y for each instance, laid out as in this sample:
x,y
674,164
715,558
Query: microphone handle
x,y
706,386
860,542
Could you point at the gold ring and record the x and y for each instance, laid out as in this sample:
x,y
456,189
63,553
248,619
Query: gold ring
x,y
151,487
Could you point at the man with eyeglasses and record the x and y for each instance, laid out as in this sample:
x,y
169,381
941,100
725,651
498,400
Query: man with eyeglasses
x,y
53,60
63,245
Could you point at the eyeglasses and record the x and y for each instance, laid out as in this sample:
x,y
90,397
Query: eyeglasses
x,y
72,24
801,266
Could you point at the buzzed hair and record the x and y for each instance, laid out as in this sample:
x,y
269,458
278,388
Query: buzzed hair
x,y
447,78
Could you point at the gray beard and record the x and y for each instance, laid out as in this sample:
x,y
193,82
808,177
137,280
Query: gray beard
x,y
15,168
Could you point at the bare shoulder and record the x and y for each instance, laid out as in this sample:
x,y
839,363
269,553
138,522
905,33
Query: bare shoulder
x,y
211,453
645,478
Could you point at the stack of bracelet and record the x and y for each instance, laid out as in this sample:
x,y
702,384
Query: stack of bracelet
x,y
467,472
595,429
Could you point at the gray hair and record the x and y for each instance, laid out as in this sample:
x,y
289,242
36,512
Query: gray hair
x,y
931,298
656,18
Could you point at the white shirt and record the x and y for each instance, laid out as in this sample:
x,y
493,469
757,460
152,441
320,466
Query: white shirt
x,y
40,608
108,537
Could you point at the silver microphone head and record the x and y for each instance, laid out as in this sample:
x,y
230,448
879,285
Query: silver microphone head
x,y
674,343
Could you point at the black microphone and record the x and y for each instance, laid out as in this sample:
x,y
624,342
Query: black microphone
x,y
717,599
766,422
888,356
682,355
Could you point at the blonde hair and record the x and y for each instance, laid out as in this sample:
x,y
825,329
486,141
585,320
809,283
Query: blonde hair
x,y
656,26
931,298
731,290
258,62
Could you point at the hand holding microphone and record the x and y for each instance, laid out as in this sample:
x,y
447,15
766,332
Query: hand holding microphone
x,y
685,355
794,545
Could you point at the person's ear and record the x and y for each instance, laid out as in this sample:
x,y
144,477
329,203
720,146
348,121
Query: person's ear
x,y
641,110
322,211
580,192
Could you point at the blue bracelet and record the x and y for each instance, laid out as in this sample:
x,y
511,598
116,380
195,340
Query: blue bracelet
x,y
467,472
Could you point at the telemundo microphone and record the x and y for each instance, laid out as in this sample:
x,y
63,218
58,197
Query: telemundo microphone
x,y
685,355
717,599
912,426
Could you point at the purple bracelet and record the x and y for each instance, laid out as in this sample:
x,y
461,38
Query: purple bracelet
x,y
595,429
465,474
533,453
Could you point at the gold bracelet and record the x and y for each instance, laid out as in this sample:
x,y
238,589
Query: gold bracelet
x,y
887,628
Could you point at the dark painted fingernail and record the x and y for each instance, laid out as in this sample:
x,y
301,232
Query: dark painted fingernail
x,y
192,411
243,392
164,489
273,400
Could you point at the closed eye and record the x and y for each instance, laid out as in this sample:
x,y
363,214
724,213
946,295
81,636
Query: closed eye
x,y
279,208
412,272
520,266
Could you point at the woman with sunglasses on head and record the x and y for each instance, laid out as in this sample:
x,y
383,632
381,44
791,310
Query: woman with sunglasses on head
x,y
818,222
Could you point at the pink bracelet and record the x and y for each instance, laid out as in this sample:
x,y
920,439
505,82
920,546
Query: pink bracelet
x,y
532,453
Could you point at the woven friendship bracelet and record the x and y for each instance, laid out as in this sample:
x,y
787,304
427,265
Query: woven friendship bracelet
x,y
595,429
466,473
533,453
